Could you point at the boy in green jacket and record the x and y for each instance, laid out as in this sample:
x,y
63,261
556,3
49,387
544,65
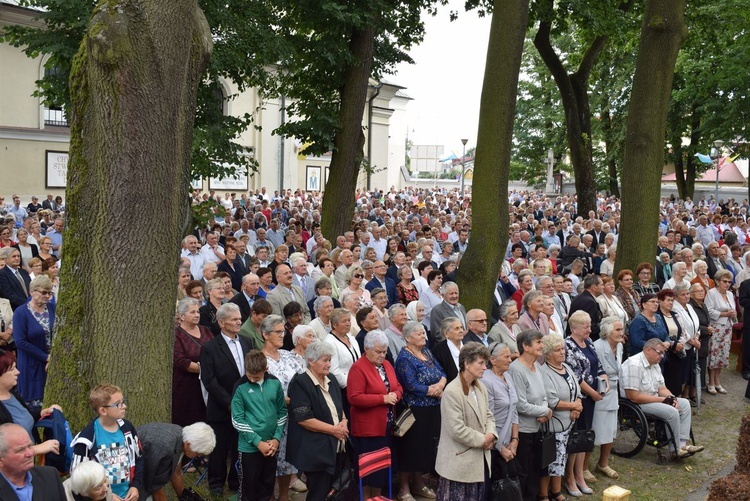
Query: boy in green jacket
x,y
259,416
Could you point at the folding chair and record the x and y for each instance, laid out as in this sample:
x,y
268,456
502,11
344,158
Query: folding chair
x,y
372,462
200,468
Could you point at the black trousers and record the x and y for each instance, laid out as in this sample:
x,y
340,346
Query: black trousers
x,y
746,350
226,447
318,485
257,476
528,460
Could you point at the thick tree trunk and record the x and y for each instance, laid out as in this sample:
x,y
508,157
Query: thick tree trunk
x,y
481,264
662,33
614,186
338,203
133,90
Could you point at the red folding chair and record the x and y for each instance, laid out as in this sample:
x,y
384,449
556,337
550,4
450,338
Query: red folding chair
x,y
372,462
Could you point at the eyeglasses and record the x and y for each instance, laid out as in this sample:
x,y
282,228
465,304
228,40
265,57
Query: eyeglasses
x,y
358,276
660,353
480,320
44,293
118,405
278,332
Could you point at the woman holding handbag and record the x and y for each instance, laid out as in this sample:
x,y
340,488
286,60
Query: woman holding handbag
x,y
609,349
564,398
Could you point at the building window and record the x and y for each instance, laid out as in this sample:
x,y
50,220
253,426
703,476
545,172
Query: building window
x,y
54,115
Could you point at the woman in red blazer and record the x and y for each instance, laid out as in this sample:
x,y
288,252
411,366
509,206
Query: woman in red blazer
x,y
373,391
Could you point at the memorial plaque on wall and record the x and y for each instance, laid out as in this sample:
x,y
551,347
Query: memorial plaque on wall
x,y
56,171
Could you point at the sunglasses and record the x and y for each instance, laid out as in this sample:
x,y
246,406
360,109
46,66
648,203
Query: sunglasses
x,y
358,276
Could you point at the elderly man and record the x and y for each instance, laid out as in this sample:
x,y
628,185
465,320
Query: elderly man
x,y
248,295
450,307
302,279
643,384
476,321
377,243
212,251
20,479
286,292
347,259
379,279
209,271
191,251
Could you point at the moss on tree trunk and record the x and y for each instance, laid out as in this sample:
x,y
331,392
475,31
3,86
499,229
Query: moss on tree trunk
x,y
662,33
481,263
133,90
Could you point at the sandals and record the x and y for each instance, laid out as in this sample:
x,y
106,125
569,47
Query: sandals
x,y
721,390
557,496
711,390
608,471
588,476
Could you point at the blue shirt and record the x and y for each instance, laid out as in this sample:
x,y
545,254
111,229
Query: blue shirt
x,y
113,454
19,414
23,493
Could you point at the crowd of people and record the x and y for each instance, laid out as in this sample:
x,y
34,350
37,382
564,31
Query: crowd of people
x,y
299,352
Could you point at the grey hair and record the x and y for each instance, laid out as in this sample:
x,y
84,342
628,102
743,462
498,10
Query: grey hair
x,y
717,277
88,475
411,328
318,304
225,310
448,286
200,436
351,271
681,287
496,348
612,248
375,338
300,331
337,315
185,303
42,282
345,295
393,310
678,265
578,318
216,283
550,343
503,312
470,353
526,338
607,325
317,350
446,324
529,297
269,323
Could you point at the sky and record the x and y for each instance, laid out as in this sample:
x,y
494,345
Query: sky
x,y
446,79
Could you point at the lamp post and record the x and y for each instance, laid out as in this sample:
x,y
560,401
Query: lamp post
x,y
463,167
715,155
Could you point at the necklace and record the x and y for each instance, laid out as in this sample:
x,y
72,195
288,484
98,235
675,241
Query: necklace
x,y
560,368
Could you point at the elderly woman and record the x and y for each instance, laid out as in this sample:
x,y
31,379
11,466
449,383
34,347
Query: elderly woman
x,y
302,336
321,324
215,293
646,325
582,358
284,366
431,296
194,289
502,402
373,391
404,288
690,323
183,279
644,272
701,276
697,297
317,425
35,267
555,325
609,348
506,329
235,272
721,308
355,284
27,250
533,317
416,312
532,410
265,277
609,303
189,337
380,306
672,367
33,323
45,248
525,285
423,381
626,295
88,482
467,430
564,398
345,350
447,351
350,303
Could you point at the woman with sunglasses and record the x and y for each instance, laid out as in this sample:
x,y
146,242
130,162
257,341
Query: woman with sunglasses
x,y
33,323
354,284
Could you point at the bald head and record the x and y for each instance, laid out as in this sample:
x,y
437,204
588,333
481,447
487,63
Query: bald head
x,y
476,321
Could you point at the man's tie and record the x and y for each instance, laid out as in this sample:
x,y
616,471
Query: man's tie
x,y
23,284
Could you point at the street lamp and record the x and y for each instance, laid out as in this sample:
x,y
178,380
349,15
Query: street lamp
x,y
715,155
463,167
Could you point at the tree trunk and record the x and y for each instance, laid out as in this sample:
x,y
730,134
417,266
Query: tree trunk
x,y
679,167
338,203
662,33
614,186
489,235
133,93
574,95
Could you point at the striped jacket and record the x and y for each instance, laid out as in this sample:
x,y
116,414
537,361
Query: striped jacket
x,y
258,412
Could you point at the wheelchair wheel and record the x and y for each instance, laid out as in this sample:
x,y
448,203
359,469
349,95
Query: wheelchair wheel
x,y
632,430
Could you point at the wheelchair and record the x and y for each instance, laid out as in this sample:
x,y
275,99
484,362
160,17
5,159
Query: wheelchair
x,y
635,430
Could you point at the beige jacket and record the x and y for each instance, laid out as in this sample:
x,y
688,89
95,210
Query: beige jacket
x,y
464,422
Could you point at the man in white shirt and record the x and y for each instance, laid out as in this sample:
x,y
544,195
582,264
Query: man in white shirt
x,y
377,243
212,251
190,250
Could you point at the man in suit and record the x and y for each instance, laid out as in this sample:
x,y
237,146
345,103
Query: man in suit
x,y
301,279
398,261
476,321
597,234
380,279
242,261
586,301
347,259
17,463
222,362
450,307
503,291
14,280
286,292
248,295
713,261
459,246
50,203
744,298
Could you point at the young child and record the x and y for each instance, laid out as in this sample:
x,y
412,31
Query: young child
x,y
259,415
111,441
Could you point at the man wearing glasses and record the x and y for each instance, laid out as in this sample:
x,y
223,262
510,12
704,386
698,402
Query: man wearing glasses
x,y
643,384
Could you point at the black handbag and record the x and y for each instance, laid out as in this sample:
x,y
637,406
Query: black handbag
x,y
581,441
506,489
547,445
343,479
